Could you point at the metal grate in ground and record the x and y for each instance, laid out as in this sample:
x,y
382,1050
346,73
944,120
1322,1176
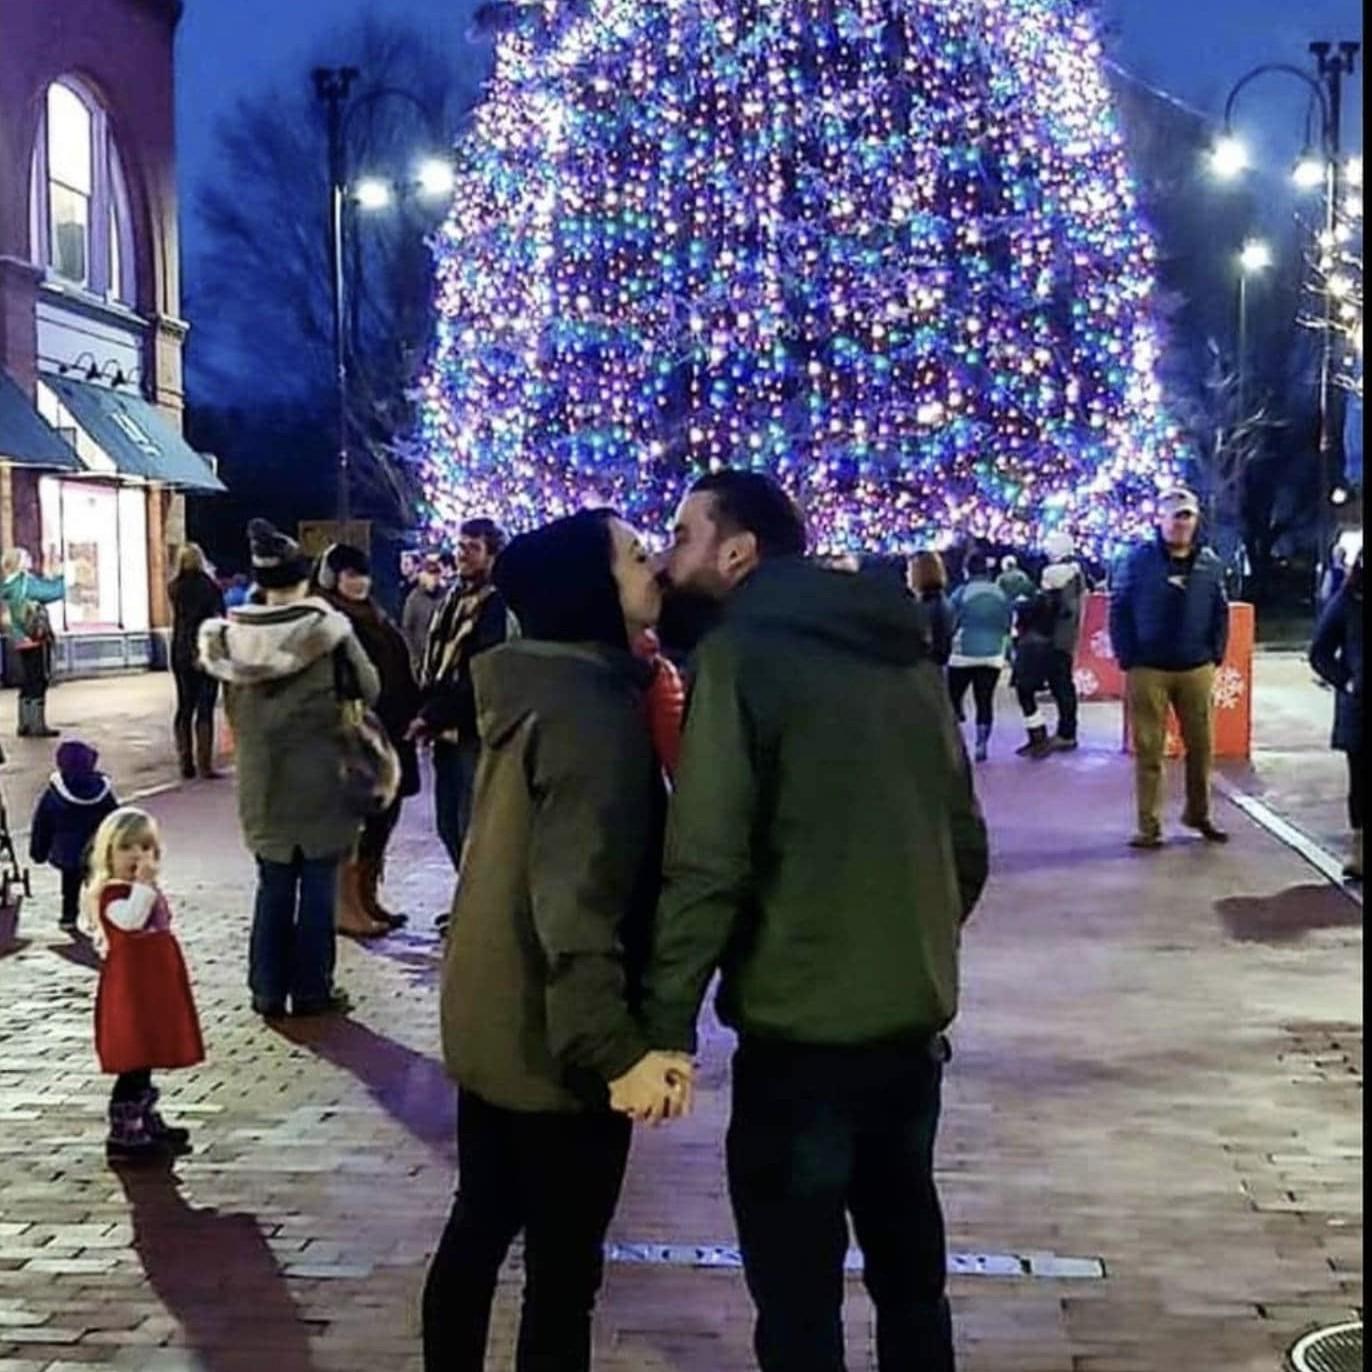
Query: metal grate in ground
x,y
1335,1349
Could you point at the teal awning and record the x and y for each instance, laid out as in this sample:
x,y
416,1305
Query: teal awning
x,y
26,437
135,437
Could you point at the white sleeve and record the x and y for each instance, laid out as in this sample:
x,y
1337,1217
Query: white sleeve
x,y
134,911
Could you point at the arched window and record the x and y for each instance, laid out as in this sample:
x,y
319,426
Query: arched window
x,y
80,220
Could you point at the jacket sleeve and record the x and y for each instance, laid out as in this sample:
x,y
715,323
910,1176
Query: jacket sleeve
x,y
1123,637
41,831
589,834
971,846
364,671
708,875
1326,649
1219,618
47,589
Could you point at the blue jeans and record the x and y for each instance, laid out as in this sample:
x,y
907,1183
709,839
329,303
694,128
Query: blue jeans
x,y
817,1135
454,785
292,948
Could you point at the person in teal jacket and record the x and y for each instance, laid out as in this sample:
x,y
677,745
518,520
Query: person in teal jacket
x,y
24,597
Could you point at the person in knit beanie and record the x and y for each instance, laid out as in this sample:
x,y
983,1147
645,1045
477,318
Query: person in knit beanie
x,y
77,798
1049,625
344,578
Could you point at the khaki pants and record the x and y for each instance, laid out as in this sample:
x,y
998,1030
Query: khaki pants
x,y
1151,693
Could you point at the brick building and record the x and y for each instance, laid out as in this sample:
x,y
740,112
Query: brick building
x,y
93,468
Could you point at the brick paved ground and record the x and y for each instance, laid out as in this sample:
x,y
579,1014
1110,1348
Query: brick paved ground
x,y
1159,1064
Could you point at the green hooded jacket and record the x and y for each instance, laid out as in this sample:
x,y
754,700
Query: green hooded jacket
x,y
560,877
824,843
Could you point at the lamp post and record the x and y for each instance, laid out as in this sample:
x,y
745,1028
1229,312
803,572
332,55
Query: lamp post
x,y
1256,257
333,86
1230,159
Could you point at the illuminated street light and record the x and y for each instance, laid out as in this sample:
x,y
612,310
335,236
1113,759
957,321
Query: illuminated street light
x,y
1229,157
435,178
373,194
1308,174
1255,257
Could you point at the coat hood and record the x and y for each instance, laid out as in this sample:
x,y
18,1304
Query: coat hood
x,y
259,643
531,676
864,615
81,788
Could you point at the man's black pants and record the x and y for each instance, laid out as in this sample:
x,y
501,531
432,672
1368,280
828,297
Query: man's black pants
x,y
819,1134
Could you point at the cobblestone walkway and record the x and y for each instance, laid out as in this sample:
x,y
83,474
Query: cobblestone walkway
x,y
1158,1065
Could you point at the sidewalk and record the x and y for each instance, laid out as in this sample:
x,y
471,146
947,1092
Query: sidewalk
x,y
1158,1065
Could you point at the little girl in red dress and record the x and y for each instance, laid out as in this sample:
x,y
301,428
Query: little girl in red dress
x,y
144,1013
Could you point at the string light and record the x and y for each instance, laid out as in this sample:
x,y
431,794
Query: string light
x,y
888,251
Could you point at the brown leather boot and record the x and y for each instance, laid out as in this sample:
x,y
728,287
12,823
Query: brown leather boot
x,y
370,873
350,915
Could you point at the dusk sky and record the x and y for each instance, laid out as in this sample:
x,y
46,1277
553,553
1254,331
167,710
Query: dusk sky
x,y
1192,48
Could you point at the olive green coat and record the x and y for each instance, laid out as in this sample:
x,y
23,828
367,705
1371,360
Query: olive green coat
x,y
825,844
278,663
559,879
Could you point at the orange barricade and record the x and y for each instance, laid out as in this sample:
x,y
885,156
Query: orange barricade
x,y
1098,674
1233,694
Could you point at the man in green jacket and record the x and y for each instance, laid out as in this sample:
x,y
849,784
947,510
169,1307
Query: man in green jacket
x,y
825,847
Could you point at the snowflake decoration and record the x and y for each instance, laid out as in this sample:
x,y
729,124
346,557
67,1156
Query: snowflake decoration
x,y
1229,689
1102,646
1088,683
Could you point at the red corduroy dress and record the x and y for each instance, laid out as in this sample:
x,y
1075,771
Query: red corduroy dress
x,y
144,1012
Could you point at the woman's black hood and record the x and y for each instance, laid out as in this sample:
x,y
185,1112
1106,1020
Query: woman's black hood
x,y
559,582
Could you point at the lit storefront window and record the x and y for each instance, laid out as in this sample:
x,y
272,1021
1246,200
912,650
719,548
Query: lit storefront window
x,y
102,533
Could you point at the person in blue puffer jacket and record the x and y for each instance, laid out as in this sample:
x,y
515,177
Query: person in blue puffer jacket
x,y
1169,624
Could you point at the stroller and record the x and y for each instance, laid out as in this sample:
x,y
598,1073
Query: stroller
x,y
14,882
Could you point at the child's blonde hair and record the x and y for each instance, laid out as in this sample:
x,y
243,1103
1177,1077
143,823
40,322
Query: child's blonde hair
x,y
126,826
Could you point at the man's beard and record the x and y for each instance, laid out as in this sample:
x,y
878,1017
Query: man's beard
x,y
687,616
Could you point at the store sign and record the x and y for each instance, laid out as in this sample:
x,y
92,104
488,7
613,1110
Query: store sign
x,y
318,535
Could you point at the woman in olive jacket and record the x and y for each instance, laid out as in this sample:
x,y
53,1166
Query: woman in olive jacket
x,y
550,928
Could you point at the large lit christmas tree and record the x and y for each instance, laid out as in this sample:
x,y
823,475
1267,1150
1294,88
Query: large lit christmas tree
x,y
886,249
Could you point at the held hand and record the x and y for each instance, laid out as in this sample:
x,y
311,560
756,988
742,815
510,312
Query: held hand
x,y
145,874
418,732
656,1088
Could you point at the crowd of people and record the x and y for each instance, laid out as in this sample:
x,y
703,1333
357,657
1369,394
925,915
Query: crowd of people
x,y
615,852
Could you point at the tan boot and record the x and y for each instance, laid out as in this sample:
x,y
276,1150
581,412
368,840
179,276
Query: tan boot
x,y
369,877
1352,869
350,915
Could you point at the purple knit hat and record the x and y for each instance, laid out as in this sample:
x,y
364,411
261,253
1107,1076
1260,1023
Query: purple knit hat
x,y
76,759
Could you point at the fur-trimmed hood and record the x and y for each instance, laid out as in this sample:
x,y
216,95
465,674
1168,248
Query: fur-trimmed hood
x,y
260,643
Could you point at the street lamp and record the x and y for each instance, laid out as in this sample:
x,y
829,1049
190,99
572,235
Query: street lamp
x,y
333,86
1230,158
1309,173
1254,258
